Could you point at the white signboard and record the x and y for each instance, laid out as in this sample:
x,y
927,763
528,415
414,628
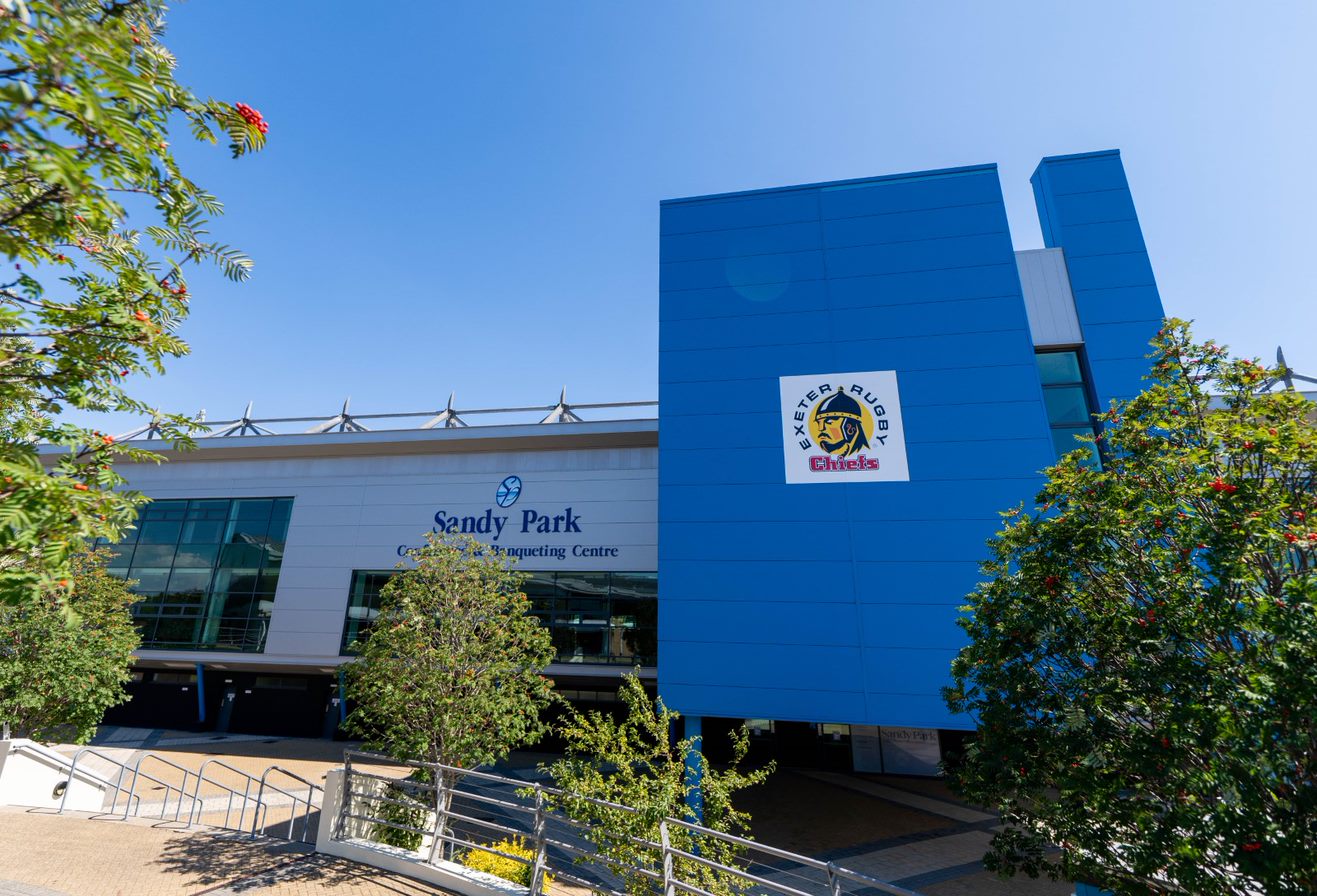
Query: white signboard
x,y
866,749
843,427
911,751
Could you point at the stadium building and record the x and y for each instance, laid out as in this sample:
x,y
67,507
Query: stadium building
x,y
854,378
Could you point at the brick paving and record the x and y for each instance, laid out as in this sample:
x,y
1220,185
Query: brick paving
x,y
76,855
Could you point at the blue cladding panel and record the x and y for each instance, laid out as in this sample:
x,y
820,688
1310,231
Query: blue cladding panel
x,y
811,622
891,352
774,238
1086,209
923,287
941,582
791,704
791,666
735,213
921,255
733,301
832,602
735,332
741,271
1137,303
938,223
922,626
906,194
903,670
694,579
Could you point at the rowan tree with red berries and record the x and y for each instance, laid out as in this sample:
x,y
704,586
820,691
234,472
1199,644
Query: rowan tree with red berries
x,y
1143,660
95,295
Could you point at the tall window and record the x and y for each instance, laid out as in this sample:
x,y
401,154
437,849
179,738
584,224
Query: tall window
x,y
206,571
594,617
1065,395
363,604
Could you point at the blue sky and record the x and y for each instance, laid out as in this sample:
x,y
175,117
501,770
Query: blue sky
x,y
464,196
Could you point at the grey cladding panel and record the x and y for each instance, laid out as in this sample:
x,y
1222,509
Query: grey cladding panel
x,y
1047,297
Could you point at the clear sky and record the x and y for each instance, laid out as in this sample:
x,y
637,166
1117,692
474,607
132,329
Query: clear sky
x,y
464,196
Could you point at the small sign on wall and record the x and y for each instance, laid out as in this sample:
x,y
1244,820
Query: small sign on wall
x,y
896,751
911,751
843,427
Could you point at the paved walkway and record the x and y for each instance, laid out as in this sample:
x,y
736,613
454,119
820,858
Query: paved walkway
x,y
912,832
77,855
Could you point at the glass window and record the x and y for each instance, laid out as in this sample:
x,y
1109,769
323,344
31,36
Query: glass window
x,y
153,555
206,571
196,556
158,531
149,580
189,581
1065,396
235,581
241,556
1063,438
203,531
164,510
175,632
363,605
1059,367
120,555
1066,404
592,617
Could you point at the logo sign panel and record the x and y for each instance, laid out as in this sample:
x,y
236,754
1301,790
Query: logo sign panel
x,y
539,532
843,427
508,491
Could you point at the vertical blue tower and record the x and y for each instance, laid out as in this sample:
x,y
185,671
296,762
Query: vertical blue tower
x,y
1085,208
819,592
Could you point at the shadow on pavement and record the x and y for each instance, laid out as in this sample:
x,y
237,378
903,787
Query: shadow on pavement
x,y
237,864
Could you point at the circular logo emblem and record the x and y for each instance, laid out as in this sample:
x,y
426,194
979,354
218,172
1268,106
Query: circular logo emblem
x,y
509,490
841,425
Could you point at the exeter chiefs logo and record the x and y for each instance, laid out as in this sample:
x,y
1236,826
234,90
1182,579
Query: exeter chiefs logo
x,y
843,427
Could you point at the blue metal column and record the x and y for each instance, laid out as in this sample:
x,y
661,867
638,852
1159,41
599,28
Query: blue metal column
x,y
201,692
694,778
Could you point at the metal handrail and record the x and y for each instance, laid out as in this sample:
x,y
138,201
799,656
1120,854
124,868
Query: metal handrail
x,y
199,805
118,784
292,816
182,789
669,857
196,807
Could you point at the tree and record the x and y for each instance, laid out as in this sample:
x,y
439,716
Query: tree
x,y
60,671
450,671
1143,657
88,102
634,762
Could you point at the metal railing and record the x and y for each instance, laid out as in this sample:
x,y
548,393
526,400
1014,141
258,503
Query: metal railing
x,y
309,806
438,812
245,797
129,793
302,804
448,417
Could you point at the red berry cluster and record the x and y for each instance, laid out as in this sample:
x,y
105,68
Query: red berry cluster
x,y
252,117
1219,485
